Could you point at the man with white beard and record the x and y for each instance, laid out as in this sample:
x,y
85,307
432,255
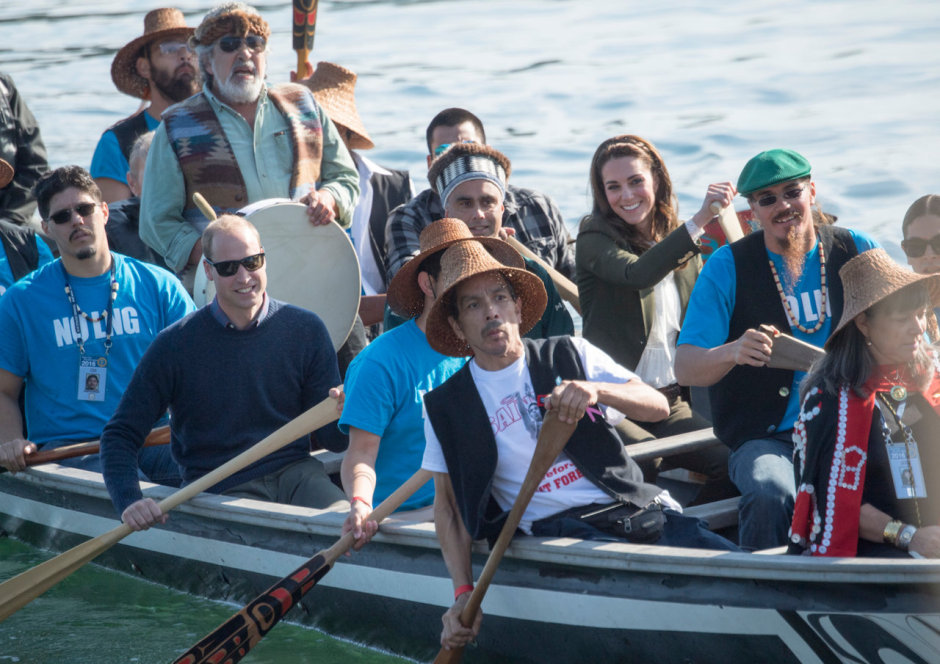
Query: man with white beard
x,y
238,142
785,275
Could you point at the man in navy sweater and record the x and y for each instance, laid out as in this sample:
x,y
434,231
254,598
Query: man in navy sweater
x,y
230,373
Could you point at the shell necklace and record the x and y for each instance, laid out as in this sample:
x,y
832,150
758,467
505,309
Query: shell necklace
x,y
793,319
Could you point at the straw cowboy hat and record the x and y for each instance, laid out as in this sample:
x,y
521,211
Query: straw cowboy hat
x,y
871,277
461,262
333,87
6,173
158,25
405,297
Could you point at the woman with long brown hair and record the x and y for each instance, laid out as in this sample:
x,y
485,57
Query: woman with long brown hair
x,y
636,265
868,435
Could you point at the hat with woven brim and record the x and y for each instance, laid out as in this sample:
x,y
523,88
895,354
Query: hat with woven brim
x,y
6,173
772,167
334,88
871,277
405,297
464,261
158,25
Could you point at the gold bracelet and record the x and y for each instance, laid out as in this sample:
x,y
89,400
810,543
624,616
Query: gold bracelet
x,y
890,534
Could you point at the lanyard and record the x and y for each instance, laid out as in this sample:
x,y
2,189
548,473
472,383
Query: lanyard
x,y
107,315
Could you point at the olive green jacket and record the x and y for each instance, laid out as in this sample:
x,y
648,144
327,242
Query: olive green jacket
x,y
616,285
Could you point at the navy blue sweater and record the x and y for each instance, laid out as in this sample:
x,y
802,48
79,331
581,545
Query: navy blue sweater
x,y
226,390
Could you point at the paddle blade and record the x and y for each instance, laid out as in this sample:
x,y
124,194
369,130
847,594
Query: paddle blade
x,y
23,588
234,638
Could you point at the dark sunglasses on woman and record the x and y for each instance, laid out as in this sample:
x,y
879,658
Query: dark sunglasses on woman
x,y
915,247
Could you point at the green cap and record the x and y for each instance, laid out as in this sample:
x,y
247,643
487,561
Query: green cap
x,y
772,167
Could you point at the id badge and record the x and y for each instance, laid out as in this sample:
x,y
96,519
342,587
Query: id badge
x,y
92,378
906,471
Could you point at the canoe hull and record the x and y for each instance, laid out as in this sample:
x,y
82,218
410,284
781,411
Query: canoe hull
x,y
552,600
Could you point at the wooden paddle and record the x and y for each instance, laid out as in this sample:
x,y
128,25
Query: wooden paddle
x,y
552,440
566,288
19,591
159,436
305,27
232,640
372,309
728,220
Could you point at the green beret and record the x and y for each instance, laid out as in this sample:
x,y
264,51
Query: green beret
x,y
772,167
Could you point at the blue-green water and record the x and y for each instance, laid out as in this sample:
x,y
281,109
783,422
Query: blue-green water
x,y
97,615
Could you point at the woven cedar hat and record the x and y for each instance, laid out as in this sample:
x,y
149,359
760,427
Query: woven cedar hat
x,y
463,261
333,87
871,277
405,297
158,24
6,173
230,18
468,161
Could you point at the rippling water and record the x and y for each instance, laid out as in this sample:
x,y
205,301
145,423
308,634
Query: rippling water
x,y
852,84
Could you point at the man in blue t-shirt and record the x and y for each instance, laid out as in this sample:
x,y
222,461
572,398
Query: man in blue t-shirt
x,y
90,313
785,275
386,383
158,66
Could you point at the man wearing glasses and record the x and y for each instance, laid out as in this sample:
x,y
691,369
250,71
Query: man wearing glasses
x,y
231,373
92,312
157,66
785,275
238,142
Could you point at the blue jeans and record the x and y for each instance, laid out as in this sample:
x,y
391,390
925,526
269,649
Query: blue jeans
x,y
762,469
679,530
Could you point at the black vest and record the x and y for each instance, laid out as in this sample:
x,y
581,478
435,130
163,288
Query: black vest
x,y
129,130
749,402
463,428
388,192
19,244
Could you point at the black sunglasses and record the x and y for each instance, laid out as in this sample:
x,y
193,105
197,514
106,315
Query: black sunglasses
x,y
230,268
915,247
790,194
230,44
64,216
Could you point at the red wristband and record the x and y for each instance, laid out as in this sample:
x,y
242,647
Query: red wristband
x,y
361,500
466,588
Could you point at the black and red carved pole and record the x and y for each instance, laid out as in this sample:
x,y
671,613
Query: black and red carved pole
x,y
305,26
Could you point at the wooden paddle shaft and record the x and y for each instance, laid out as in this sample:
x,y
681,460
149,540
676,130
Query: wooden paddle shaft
x,y
204,206
159,436
232,640
728,220
566,288
19,591
552,440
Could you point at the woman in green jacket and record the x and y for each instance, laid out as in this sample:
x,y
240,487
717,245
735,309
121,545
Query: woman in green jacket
x,y
636,265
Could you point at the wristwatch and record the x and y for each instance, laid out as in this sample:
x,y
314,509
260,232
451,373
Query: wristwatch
x,y
891,532
905,537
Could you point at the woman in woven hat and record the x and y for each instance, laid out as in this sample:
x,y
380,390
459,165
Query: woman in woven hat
x,y
636,265
868,436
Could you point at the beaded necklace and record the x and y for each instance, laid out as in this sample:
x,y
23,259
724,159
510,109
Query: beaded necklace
x,y
795,319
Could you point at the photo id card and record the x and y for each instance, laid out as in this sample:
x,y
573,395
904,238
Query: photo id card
x,y
906,471
92,378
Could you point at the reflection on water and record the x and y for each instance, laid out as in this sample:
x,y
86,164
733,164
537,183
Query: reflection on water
x,y
851,83
100,616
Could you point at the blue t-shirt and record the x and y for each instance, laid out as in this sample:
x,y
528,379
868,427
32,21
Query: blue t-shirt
x,y
6,274
385,387
108,160
38,341
708,316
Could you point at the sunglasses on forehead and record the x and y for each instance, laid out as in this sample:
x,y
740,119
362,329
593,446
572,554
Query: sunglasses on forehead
x,y
790,195
230,268
230,44
915,247
64,216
